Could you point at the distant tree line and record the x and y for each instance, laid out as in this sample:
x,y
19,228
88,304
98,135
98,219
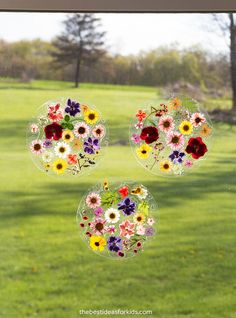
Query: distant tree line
x,y
35,59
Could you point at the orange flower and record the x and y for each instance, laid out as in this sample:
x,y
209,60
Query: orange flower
x,y
77,144
205,131
175,103
141,115
72,159
84,108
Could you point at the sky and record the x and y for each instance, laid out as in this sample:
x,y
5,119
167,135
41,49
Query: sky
x,y
126,33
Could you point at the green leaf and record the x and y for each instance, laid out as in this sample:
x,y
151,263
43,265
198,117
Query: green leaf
x,y
109,198
64,125
70,126
143,207
152,122
67,118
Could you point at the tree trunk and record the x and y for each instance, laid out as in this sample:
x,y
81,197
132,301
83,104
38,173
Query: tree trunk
x,y
233,57
77,73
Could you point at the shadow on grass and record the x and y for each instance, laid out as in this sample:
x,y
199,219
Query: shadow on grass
x,y
118,135
63,198
52,200
13,128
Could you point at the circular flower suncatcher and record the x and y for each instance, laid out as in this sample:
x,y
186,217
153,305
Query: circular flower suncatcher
x,y
67,138
171,138
116,221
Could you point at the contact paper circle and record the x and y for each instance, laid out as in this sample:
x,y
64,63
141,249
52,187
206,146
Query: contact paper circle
x,y
171,138
117,220
67,137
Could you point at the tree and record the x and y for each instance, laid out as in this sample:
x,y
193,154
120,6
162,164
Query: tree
x,y
80,43
233,56
227,24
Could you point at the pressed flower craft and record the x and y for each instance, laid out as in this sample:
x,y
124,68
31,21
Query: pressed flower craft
x,y
171,138
116,221
67,138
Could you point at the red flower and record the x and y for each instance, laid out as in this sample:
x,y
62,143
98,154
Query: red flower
x,y
53,131
149,134
141,115
124,191
196,147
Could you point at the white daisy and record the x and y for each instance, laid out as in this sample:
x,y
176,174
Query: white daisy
x,y
150,221
81,130
47,156
143,194
62,149
112,215
178,169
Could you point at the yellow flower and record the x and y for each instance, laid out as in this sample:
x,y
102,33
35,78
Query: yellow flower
x,y
143,151
175,103
205,131
186,127
139,218
91,116
165,166
77,144
97,243
47,166
137,191
59,166
68,136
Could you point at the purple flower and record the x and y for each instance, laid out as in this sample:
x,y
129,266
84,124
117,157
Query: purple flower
x,y
136,138
47,143
99,212
127,206
72,107
149,231
91,145
177,157
114,243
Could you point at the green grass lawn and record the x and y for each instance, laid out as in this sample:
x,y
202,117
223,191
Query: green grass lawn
x,y
46,270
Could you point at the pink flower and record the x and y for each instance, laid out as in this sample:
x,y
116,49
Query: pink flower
x,y
139,125
111,229
55,113
98,131
93,200
98,226
166,124
136,138
127,229
188,163
37,147
140,229
72,159
99,212
175,140
34,128
197,119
